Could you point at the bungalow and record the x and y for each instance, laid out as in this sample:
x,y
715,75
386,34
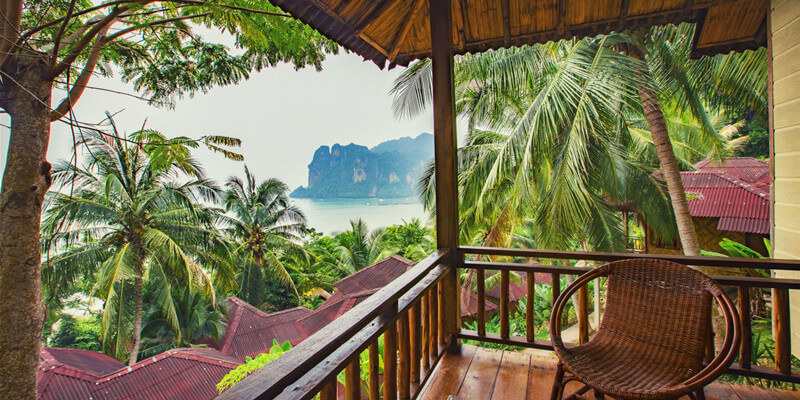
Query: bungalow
x,y
726,201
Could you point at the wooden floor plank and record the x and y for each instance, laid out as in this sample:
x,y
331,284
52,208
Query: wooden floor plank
x,y
448,375
480,379
512,382
484,374
541,375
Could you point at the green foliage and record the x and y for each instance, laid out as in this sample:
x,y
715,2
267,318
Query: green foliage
x,y
253,364
413,240
557,134
198,320
265,229
75,333
126,215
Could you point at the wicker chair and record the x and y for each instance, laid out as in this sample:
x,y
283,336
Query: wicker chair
x,y
651,342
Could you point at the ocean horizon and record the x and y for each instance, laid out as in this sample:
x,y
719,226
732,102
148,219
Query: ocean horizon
x,y
331,216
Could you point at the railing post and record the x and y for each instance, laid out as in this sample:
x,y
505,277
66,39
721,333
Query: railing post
x,y
374,359
583,314
780,310
504,288
352,380
530,327
445,152
746,349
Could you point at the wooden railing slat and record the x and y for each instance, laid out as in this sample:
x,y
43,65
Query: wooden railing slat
x,y
481,316
416,343
329,390
390,362
426,331
783,351
374,369
404,350
530,328
440,314
504,287
434,314
352,380
583,314
746,348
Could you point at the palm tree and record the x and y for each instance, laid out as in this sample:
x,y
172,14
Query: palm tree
x,y
666,65
198,318
553,135
264,227
359,248
125,218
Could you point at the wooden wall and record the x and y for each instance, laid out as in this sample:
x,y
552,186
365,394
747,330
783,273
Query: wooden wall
x,y
785,28
710,237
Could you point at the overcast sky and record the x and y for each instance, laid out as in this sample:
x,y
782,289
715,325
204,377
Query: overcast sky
x,y
281,115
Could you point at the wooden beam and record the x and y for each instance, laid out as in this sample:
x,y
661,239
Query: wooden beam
x,y
623,12
445,152
506,21
409,22
562,13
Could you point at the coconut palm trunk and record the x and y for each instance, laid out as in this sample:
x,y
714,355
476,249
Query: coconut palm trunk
x,y
136,337
669,164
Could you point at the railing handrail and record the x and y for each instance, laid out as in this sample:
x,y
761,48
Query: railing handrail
x,y
737,262
746,281
267,383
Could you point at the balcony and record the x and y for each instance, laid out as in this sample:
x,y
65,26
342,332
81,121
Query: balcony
x,y
416,319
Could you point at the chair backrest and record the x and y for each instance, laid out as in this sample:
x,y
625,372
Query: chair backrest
x,y
661,309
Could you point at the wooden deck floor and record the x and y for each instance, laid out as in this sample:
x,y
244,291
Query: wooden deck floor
x,y
483,374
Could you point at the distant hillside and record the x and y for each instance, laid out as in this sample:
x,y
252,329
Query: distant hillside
x,y
390,169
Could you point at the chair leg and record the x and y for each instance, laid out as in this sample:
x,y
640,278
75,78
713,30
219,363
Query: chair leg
x,y
558,383
700,394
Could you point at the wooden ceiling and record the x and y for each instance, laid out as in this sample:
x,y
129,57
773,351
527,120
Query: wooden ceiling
x,y
397,31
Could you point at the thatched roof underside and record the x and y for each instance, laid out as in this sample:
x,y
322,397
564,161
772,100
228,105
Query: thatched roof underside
x,y
398,31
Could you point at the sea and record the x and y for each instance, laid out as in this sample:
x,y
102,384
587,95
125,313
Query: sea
x,y
331,216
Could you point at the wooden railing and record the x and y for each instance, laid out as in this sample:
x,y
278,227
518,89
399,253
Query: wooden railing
x,y
405,313
408,315
780,300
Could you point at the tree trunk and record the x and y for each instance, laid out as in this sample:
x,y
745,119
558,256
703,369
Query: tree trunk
x,y
669,166
136,337
25,181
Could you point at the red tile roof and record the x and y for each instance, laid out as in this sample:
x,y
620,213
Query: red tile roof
x,y
193,373
176,374
735,193
520,290
375,276
251,331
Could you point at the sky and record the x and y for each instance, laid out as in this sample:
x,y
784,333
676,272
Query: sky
x,y
281,115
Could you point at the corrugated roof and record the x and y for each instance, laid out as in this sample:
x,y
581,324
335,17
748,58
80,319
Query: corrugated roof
x,y
733,192
519,290
190,374
251,331
375,276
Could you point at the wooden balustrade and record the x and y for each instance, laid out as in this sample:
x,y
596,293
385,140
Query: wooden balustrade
x,y
404,313
409,314
743,285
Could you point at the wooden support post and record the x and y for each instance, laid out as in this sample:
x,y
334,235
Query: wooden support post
x,y
426,332
416,343
352,380
445,154
329,390
481,316
441,313
746,349
529,307
404,344
583,314
374,380
390,362
504,287
780,310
